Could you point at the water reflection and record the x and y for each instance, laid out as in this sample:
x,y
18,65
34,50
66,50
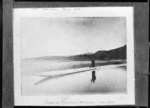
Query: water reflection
x,y
93,77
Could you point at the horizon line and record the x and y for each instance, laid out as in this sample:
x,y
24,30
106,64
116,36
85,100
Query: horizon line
x,y
88,53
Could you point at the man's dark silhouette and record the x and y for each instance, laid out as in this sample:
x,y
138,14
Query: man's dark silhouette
x,y
92,62
93,72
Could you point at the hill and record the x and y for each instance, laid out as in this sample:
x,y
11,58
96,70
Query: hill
x,y
118,53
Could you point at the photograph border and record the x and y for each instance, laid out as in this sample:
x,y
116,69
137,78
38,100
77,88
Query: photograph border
x,y
95,99
141,46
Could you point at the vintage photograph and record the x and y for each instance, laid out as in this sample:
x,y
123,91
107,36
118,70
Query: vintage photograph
x,y
71,55
74,56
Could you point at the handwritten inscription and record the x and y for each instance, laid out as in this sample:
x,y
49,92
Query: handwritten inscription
x,y
67,102
63,9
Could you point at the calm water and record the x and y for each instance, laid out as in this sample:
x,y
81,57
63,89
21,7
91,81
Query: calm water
x,y
109,79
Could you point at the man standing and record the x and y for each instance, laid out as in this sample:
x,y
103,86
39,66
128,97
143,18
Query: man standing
x,y
92,62
93,72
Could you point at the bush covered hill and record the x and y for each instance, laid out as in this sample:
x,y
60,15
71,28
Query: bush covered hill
x,y
119,53
113,54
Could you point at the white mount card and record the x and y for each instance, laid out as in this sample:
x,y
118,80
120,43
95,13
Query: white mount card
x,y
73,56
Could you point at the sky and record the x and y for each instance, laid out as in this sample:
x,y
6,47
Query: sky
x,y
64,36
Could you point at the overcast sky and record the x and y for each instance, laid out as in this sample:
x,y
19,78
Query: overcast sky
x,y
70,36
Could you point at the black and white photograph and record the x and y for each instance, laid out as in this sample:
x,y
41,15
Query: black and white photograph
x,y
73,54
